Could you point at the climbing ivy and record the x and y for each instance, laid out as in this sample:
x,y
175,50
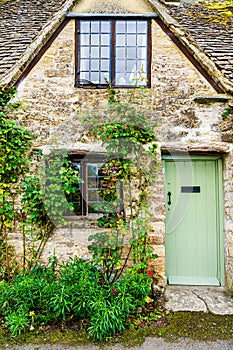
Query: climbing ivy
x,y
130,166
32,198
15,144
44,199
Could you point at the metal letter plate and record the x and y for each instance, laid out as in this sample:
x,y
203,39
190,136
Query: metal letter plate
x,y
190,189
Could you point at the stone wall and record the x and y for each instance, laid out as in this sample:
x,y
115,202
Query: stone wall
x,y
228,219
54,106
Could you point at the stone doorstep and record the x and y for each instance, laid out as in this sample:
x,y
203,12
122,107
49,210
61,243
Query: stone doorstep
x,y
199,298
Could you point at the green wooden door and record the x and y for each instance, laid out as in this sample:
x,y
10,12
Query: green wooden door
x,y
193,240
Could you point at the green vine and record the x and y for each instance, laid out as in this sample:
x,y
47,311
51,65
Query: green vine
x,y
15,144
44,199
130,168
32,198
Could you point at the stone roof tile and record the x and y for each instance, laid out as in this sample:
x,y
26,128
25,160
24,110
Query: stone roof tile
x,y
21,22
211,30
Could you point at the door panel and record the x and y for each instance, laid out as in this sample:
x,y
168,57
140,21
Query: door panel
x,y
192,230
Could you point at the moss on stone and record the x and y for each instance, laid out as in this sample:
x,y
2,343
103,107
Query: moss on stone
x,y
220,12
199,325
2,2
195,325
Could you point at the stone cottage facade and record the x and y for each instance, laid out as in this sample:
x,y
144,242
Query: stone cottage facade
x,y
190,82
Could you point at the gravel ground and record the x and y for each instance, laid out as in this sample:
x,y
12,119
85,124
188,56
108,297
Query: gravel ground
x,y
149,344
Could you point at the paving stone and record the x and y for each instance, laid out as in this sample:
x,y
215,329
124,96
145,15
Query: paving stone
x,y
192,298
183,299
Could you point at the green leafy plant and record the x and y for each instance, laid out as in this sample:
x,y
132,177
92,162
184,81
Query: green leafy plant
x,y
228,113
72,290
17,322
130,168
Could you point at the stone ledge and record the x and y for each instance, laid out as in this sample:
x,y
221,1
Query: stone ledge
x,y
212,99
178,149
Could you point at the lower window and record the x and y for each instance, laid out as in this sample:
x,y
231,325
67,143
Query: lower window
x,y
87,199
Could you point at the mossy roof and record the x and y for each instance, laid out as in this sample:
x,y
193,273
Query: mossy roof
x,y
21,22
211,26
26,25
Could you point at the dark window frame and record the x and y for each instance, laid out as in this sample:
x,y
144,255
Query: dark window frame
x,y
84,160
112,73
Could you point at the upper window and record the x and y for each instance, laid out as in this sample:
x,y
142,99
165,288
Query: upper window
x,y
113,51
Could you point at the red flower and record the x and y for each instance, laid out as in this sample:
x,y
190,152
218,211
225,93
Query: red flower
x,y
115,292
150,273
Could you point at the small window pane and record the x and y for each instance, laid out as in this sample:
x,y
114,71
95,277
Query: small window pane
x,y
104,65
95,65
85,39
141,66
94,77
105,52
131,27
131,40
120,40
92,169
131,66
142,27
121,79
92,196
92,182
84,52
84,76
95,27
120,52
141,40
104,78
95,52
141,53
105,27
84,65
120,65
85,27
120,26
95,39
131,53
105,39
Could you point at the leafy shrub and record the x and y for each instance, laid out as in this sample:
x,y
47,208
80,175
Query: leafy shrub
x,y
74,289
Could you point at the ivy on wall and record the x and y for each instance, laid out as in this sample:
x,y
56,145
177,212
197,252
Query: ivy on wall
x,y
32,198
130,164
15,144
